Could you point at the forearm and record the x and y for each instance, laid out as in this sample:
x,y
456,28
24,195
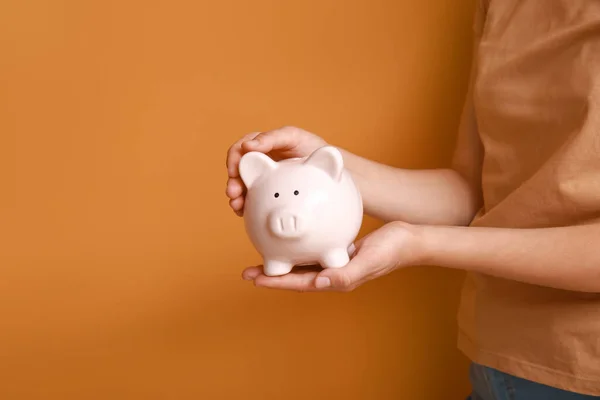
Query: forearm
x,y
564,258
436,196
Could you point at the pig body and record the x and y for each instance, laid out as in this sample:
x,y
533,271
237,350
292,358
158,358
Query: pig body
x,y
301,211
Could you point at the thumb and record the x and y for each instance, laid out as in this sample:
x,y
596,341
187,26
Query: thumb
x,y
265,142
348,277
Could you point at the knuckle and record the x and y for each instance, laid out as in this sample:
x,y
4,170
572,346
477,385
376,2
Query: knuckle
x,y
260,138
290,130
295,131
231,152
345,288
231,192
250,136
344,281
236,147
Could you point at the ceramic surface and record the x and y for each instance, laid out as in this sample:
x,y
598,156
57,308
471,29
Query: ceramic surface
x,y
302,210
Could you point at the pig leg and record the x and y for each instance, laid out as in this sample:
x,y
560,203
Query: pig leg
x,y
335,258
276,267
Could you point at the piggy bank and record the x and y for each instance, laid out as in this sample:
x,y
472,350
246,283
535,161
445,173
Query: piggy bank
x,y
301,211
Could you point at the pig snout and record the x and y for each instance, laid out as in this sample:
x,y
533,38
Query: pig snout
x,y
286,224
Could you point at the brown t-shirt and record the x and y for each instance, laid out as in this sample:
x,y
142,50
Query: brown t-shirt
x,y
537,103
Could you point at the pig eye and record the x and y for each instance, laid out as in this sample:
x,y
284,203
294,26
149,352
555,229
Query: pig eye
x,y
296,192
276,195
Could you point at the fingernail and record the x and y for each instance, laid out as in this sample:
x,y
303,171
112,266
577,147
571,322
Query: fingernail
x,y
250,275
322,282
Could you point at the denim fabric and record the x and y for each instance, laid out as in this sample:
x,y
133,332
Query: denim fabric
x,y
490,384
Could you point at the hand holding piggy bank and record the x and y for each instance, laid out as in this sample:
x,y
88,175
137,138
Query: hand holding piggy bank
x,y
302,210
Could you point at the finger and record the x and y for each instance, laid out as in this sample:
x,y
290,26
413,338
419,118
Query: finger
x,y
277,139
234,154
235,188
252,272
297,281
237,204
347,278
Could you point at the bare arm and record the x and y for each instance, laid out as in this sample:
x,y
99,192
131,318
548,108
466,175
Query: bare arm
x,y
435,202
563,257
436,196
449,196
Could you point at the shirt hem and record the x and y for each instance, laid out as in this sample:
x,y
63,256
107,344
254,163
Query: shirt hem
x,y
527,370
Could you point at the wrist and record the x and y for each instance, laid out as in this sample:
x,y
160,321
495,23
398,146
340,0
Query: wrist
x,y
411,241
458,247
424,249
435,243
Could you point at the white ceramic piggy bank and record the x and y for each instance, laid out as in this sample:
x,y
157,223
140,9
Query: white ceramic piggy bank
x,y
302,210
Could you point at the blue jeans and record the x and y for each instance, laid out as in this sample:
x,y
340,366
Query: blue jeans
x,y
490,384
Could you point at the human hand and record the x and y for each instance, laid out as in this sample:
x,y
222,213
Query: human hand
x,y
382,251
279,144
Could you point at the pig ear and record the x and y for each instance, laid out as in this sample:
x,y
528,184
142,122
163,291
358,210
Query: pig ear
x,y
253,165
329,159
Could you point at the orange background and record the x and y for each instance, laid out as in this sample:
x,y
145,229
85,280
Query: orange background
x,y
120,258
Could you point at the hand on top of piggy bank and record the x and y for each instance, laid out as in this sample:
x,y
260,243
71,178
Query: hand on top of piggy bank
x,y
300,211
